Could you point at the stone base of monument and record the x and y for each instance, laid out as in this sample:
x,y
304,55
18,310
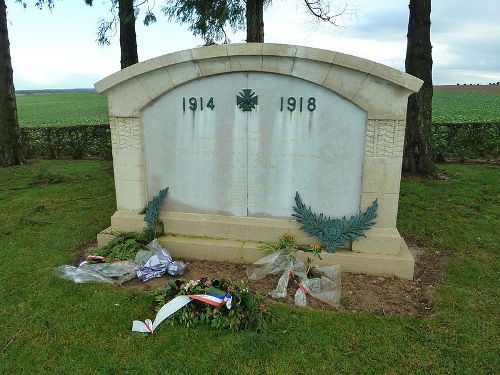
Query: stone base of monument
x,y
239,129
400,265
237,239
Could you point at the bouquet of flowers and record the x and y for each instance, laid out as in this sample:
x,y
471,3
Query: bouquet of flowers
x,y
247,310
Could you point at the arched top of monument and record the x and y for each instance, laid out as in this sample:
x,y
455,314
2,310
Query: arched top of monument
x,y
358,80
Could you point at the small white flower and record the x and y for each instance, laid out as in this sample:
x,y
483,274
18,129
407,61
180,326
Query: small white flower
x,y
191,283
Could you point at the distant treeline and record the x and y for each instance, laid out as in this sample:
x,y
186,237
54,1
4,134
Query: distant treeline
x,y
478,84
53,91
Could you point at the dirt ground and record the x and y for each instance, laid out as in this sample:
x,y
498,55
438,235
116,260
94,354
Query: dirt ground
x,y
479,88
376,294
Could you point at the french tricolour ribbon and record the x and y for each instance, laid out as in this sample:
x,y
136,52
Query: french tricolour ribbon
x,y
178,303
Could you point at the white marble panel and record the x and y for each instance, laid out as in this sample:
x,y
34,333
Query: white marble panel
x,y
251,163
316,149
201,154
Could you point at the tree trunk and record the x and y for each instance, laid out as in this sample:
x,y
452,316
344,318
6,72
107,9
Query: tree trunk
x,y
255,21
11,151
128,40
417,158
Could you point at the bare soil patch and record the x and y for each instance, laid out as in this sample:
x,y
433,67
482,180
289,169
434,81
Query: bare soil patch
x,y
376,294
476,88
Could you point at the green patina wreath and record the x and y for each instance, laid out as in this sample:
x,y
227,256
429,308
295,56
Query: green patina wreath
x,y
333,233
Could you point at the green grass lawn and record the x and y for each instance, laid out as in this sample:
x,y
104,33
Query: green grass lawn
x,y
52,326
62,109
465,106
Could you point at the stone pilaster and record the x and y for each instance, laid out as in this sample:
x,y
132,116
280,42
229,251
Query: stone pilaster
x,y
381,180
128,163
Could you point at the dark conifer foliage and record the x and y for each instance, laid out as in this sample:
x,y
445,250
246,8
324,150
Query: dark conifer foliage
x,y
210,18
124,15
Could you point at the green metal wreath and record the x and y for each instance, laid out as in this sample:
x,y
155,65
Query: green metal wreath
x,y
333,233
152,210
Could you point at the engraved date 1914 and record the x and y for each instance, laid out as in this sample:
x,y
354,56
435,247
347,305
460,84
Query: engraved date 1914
x,y
194,104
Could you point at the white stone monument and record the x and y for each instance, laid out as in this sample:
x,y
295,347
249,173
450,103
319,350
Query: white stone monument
x,y
235,130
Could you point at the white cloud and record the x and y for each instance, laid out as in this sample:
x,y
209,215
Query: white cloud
x,y
443,55
58,49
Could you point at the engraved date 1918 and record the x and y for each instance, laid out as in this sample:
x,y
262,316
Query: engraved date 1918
x,y
298,103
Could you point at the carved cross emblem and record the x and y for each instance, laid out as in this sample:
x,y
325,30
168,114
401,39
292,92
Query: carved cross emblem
x,y
247,100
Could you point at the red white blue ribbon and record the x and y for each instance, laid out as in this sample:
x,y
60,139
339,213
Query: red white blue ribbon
x,y
178,303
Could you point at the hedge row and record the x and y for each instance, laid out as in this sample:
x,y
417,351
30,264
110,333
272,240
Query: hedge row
x,y
60,142
466,141
450,141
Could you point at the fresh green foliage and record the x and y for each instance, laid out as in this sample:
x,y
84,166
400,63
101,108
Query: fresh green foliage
x,y
468,140
465,106
247,312
333,232
286,244
123,247
57,142
288,247
52,326
62,109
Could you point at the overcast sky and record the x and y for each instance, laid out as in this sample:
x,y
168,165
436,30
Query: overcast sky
x,y
58,50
